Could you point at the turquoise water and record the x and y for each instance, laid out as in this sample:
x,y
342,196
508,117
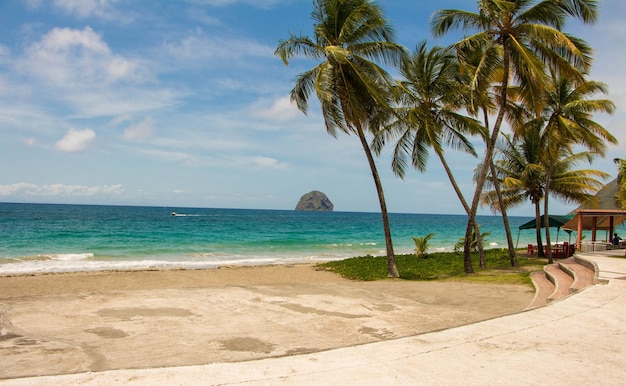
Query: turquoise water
x,y
56,238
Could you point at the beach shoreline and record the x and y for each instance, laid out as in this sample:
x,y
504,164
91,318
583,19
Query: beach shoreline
x,y
42,283
66,238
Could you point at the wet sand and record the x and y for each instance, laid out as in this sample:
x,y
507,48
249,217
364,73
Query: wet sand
x,y
94,321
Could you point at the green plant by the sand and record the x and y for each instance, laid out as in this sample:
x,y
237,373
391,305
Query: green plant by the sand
x,y
436,266
421,244
474,241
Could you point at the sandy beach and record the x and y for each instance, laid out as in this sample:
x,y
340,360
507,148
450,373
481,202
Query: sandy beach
x,y
94,321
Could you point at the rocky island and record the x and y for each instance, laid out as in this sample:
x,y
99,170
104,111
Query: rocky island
x,y
315,201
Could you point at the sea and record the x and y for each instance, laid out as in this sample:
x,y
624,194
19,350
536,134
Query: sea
x,y
41,238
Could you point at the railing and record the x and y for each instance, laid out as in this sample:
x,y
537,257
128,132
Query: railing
x,y
594,246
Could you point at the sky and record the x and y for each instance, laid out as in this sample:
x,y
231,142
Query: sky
x,y
183,104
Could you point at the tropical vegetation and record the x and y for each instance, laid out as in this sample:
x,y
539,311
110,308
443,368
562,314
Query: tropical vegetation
x,y
521,39
567,113
476,237
521,172
437,266
516,82
421,244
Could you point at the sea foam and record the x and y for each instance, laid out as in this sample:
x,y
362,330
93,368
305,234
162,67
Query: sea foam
x,y
71,256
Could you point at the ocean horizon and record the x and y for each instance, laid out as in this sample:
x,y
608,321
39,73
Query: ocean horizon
x,y
39,238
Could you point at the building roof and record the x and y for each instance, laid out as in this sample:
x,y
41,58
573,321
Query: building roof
x,y
602,218
555,222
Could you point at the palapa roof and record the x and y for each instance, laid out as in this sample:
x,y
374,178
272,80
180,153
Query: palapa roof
x,y
602,219
604,198
602,208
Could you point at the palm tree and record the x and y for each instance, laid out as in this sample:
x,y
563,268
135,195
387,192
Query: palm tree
x,y
521,172
527,36
475,238
568,115
483,97
349,35
421,244
427,115
521,169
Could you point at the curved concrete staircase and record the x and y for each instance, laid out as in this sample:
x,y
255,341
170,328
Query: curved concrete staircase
x,y
561,279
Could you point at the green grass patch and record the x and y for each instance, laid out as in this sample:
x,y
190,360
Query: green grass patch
x,y
438,266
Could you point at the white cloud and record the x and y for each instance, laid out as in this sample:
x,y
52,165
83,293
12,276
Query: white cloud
x,y
221,3
121,119
4,52
200,47
230,84
111,101
203,141
172,156
77,70
202,16
68,57
281,110
141,131
30,141
33,4
61,39
101,9
267,162
76,140
55,190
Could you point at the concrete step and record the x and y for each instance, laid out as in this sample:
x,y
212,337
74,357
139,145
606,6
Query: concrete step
x,y
583,276
543,289
561,279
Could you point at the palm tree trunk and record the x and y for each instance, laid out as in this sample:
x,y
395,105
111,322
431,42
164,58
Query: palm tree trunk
x,y
455,186
392,269
482,261
505,218
467,257
491,143
459,194
540,252
471,224
547,217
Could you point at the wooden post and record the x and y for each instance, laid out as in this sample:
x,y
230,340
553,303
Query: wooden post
x,y
579,233
594,220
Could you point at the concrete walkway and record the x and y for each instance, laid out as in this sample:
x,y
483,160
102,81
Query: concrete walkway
x,y
578,340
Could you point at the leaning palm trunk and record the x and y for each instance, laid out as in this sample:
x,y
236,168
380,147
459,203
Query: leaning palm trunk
x,y
482,262
471,225
505,218
461,198
392,269
546,217
471,220
540,252
482,176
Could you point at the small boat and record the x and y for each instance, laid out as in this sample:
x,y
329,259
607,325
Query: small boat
x,y
173,213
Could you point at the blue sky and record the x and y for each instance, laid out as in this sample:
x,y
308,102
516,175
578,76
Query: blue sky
x,y
182,103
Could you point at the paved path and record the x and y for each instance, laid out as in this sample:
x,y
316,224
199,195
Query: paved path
x,y
578,340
